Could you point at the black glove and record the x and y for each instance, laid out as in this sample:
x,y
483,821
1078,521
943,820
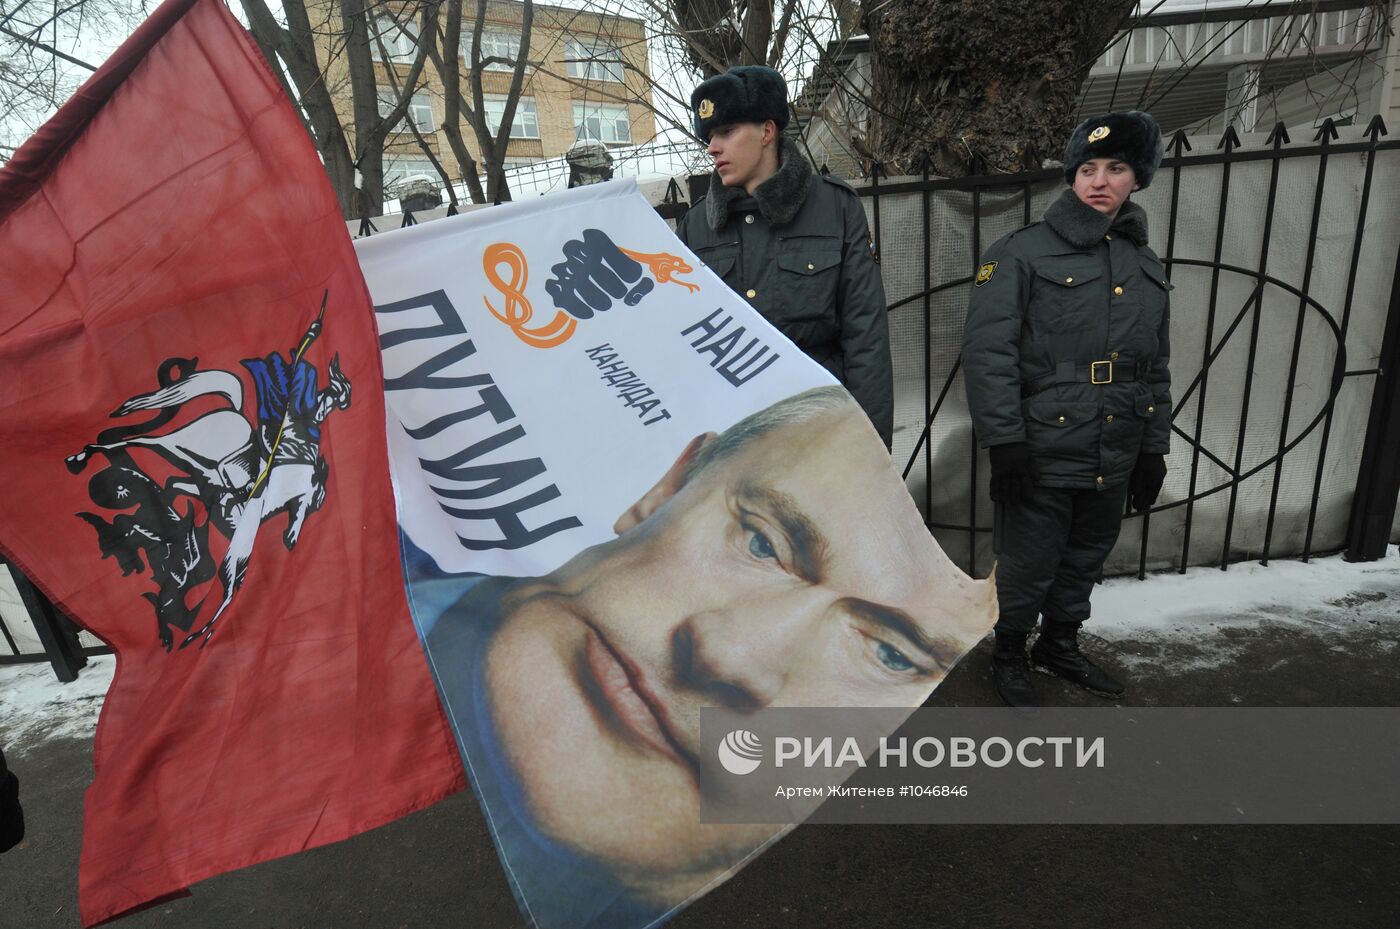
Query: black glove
x,y
1013,472
1146,481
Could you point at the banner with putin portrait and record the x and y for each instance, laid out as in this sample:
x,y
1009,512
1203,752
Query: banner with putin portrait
x,y
624,496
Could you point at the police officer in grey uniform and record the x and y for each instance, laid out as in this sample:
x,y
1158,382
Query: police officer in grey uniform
x,y
1065,355
794,243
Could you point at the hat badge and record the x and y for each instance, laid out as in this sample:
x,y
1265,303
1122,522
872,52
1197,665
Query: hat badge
x,y
1099,133
707,108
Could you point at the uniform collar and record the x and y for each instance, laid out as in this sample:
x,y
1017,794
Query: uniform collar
x,y
778,198
1081,225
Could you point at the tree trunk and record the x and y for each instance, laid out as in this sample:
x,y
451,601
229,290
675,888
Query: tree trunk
x,y
981,88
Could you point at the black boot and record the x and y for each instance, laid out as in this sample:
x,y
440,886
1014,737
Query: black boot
x,y
1057,652
1011,671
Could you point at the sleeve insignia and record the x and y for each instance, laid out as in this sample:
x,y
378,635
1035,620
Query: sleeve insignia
x,y
984,273
874,252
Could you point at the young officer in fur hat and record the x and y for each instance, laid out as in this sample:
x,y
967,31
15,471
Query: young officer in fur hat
x,y
1065,356
794,243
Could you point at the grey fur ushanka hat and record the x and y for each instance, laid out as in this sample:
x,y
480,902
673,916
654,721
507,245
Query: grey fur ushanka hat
x,y
1132,137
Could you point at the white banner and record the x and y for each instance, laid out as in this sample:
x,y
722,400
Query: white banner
x,y
625,497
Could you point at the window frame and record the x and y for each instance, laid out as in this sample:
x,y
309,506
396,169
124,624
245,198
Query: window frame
x,y
622,115
421,100
396,33
513,45
520,110
584,57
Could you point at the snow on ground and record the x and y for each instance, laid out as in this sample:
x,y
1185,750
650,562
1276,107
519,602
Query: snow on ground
x,y
1287,591
1325,596
35,706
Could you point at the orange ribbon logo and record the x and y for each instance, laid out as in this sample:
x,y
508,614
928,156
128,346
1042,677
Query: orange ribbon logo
x,y
518,311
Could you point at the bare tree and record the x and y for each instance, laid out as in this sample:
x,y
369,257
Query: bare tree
x,y
492,141
290,45
41,62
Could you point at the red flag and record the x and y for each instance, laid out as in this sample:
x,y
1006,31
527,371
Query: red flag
x,y
192,419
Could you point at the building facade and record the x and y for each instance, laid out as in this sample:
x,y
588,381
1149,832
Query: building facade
x,y
587,80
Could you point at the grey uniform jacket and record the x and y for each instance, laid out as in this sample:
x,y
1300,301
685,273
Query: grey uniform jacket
x,y
800,252
1056,307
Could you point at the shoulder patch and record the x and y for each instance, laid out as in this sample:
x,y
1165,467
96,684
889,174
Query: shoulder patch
x,y
874,252
984,273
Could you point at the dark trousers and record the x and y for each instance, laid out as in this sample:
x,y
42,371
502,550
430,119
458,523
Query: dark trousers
x,y
1050,550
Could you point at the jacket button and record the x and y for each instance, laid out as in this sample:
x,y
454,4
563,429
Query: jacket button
x,y
748,217
1062,420
1113,356
1151,409
1108,418
1069,280
811,267
751,293
1118,291
1108,238
1098,480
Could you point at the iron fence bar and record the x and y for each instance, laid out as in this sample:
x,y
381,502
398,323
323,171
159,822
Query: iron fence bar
x,y
1229,141
1220,344
956,282
1325,134
1189,161
1376,127
1179,142
928,422
951,527
1278,137
972,482
1364,372
1214,459
928,340
60,643
9,639
1378,480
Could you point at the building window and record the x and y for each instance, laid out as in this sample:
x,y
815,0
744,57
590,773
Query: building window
x,y
421,110
600,122
400,39
594,60
526,124
493,45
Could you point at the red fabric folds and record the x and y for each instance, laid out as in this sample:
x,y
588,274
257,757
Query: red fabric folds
x,y
165,236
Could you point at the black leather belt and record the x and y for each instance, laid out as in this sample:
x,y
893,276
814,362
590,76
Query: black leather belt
x,y
1101,373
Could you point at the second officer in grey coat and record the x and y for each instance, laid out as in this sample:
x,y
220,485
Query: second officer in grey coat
x,y
1065,354
794,243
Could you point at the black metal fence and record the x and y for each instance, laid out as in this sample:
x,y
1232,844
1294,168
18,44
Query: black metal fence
x,y
1224,328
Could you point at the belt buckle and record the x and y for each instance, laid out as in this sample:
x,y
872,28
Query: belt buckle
x,y
1094,372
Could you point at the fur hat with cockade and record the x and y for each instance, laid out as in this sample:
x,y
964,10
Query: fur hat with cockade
x,y
743,94
1132,137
